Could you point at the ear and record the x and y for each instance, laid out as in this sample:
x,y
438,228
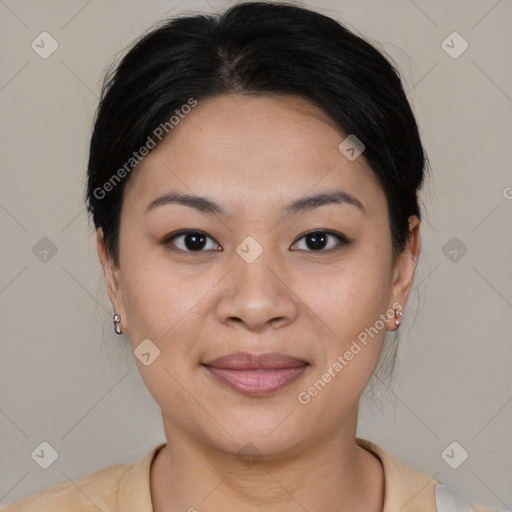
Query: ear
x,y
403,270
111,272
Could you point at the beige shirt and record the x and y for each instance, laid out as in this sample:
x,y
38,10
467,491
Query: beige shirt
x,y
125,488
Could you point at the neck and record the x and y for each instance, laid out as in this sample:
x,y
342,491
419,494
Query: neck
x,y
331,474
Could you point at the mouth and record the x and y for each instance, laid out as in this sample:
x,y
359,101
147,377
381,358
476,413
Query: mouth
x,y
256,374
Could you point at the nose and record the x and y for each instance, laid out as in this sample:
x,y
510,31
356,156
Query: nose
x,y
257,296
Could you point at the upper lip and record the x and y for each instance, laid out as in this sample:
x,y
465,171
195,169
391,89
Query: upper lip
x,y
255,361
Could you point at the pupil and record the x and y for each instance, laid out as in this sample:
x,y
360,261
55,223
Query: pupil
x,y
318,240
194,241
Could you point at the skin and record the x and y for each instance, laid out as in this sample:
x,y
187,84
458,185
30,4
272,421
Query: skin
x,y
254,156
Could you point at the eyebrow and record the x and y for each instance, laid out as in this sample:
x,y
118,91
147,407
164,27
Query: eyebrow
x,y
301,205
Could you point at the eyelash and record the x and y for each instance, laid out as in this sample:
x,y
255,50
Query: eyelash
x,y
342,240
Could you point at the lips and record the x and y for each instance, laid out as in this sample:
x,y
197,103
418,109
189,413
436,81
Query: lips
x,y
256,374
248,361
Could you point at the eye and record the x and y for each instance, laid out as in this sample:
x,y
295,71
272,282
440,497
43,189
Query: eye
x,y
322,241
197,241
190,241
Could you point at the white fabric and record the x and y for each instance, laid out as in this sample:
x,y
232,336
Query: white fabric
x,y
448,500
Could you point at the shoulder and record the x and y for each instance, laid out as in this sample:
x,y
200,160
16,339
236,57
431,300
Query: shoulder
x,y
409,490
95,491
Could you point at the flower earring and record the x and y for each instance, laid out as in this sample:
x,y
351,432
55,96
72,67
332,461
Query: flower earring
x,y
117,324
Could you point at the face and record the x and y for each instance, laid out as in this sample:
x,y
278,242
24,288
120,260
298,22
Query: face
x,y
258,270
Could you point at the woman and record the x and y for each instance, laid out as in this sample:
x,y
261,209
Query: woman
x,y
253,180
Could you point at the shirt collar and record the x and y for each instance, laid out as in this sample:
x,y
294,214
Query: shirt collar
x,y
134,488
405,488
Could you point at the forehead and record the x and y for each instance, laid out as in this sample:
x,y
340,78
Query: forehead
x,y
248,147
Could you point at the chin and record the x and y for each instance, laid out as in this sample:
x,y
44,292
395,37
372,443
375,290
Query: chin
x,y
257,434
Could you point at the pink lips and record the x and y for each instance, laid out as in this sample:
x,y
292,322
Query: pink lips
x,y
256,374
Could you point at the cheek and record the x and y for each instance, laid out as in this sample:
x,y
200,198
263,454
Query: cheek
x,y
164,308
349,298
154,303
164,304
351,308
351,303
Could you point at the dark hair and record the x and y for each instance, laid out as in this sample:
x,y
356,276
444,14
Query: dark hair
x,y
255,48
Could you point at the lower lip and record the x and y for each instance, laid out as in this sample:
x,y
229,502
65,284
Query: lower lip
x,y
257,382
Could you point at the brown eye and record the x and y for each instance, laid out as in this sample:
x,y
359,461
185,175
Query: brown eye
x,y
321,241
191,241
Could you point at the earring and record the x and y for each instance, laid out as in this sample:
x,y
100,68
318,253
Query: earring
x,y
117,324
398,315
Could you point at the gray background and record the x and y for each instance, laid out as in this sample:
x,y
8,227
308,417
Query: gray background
x,y
67,379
